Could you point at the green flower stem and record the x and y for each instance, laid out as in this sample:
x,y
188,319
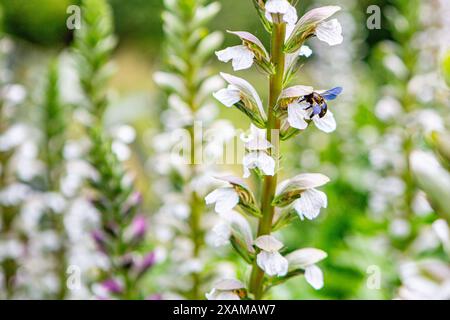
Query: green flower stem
x,y
197,239
54,135
273,127
196,204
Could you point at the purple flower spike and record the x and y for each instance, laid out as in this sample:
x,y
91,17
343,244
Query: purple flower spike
x,y
139,227
112,286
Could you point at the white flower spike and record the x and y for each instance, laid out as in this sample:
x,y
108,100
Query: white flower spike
x,y
269,259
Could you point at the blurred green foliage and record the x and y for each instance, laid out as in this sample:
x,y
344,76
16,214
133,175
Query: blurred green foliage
x,y
39,21
446,67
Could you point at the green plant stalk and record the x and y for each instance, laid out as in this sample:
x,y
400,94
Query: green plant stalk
x,y
54,129
273,127
196,233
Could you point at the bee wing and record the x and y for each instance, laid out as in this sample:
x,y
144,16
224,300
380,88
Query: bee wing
x,y
332,93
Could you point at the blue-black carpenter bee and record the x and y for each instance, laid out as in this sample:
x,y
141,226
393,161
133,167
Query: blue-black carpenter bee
x,y
318,101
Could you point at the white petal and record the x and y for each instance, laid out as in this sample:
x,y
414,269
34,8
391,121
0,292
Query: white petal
x,y
327,123
227,295
215,294
310,203
228,285
296,92
221,234
290,17
266,164
250,38
268,243
330,32
273,263
225,198
239,227
228,97
247,172
318,14
282,7
314,276
242,57
303,258
256,140
303,181
261,160
296,116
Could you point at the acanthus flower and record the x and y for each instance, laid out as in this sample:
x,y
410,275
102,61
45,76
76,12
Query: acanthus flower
x,y
281,11
234,228
301,193
315,23
269,259
241,94
243,56
306,259
228,197
227,289
257,158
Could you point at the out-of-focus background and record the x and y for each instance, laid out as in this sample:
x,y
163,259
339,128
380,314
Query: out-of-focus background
x,y
384,234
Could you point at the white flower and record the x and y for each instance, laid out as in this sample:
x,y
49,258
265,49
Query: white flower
x,y
269,259
224,198
310,203
232,223
311,200
260,160
228,96
314,23
283,8
330,32
256,140
327,123
221,234
257,143
298,114
306,259
227,289
241,56
432,178
240,90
